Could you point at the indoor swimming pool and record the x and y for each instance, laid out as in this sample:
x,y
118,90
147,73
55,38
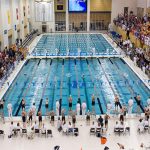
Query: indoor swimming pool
x,y
58,78
73,45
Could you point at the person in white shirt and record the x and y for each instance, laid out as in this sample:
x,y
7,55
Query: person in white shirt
x,y
141,125
59,124
70,128
148,101
121,125
35,126
144,68
65,127
130,105
33,108
146,123
43,129
57,108
135,60
116,125
9,107
109,107
93,125
78,108
83,108
11,129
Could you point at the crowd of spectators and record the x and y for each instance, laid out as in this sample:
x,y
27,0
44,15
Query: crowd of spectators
x,y
137,55
140,27
8,58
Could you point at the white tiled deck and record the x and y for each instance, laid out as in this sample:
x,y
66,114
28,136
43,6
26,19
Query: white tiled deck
x,y
84,140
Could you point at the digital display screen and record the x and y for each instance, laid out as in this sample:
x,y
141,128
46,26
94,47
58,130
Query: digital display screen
x,y
77,5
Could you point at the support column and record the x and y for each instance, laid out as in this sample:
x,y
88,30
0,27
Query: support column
x,y
67,17
148,3
21,19
14,6
53,29
88,15
32,18
28,15
4,25
51,24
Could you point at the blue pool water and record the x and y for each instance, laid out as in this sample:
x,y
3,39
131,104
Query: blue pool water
x,y
58,78
73,44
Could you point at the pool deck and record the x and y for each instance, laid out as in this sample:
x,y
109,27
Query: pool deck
x,y
84,140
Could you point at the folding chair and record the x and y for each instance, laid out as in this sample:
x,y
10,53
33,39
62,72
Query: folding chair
x,y
121,130
98,132
116,131
147,128
37,131
24,132
43,133
2,133
92,131
127,130
49,132
76,131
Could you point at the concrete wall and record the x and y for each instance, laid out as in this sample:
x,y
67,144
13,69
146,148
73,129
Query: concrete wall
x,y
100,5
118,7
38,25
142,4
148,3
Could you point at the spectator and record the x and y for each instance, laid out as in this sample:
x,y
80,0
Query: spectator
x,y
130,105
83,109
78,108
9,107
59,124
100,120
57,108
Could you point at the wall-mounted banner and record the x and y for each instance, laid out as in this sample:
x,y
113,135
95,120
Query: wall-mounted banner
x,y
15,27
24,11
17,14
8,16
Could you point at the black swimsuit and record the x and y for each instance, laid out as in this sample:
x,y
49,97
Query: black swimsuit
x,y
93,103
70,104
46,105
1,106
40,118
52,118
23,118
23,106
